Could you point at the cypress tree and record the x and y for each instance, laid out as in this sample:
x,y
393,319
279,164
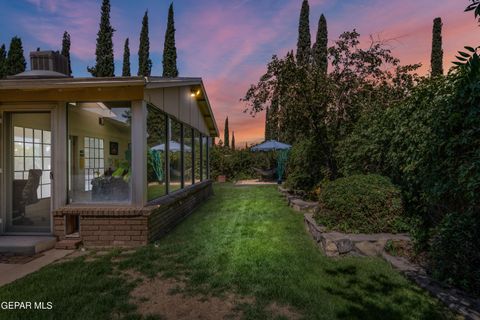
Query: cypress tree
x,y
66,50
233,140
3,61
437,51
320,48
15,58
226,137
144,62
170,51
304,42
126,60
105,64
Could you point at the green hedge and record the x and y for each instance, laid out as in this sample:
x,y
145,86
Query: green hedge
x,y
360,204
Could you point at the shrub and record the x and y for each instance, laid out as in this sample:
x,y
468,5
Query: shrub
x,y
238,164
455,255
360,204
304,169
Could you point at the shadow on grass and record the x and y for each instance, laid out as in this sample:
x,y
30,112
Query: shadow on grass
x,y
362,295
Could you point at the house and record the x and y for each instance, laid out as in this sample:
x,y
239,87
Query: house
x,y
106,161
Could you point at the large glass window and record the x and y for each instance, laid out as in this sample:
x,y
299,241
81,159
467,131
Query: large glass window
x,y
198,157
204,157
175,156
188,155
156,161
99,160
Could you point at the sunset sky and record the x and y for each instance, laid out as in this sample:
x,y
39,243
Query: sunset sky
x,y
228,43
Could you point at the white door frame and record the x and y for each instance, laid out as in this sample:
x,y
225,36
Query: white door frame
x,y
58,129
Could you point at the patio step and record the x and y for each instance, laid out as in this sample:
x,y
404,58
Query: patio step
x,y
68,244
26,245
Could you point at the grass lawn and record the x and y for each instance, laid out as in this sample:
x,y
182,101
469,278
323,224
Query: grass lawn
x,y
245,240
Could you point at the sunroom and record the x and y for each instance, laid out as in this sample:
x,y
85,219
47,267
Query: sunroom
x,y
106,161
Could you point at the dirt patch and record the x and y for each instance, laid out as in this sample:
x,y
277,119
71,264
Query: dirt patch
x,y
164,297
278,310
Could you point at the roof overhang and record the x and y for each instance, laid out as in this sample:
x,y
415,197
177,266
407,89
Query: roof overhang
x,y
100,89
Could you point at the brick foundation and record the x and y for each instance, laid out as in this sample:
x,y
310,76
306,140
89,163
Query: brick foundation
x,y
102,226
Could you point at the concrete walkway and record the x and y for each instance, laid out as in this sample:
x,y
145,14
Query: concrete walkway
x,y
12,272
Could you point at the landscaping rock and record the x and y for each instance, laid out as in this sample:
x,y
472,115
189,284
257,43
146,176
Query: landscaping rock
x,y
370,248
344,246
304,206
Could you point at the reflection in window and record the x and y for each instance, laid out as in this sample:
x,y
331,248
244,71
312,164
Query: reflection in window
x,y
188,156
198,158
156,164
175,156
99,160
94,160
32,151
204,157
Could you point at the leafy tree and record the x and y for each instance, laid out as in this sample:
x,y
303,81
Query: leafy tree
x,y
3,61
15,58
226,133
170,51
233,140
267,125
126,60
66,50
144,62
320,48
437,51
304,40
105,64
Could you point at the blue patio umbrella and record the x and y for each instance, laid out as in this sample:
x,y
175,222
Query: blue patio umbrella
x,y
271,145
282,154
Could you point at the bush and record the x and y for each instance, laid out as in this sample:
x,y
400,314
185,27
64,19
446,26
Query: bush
x,y
360,204
304,169
455,255
238,164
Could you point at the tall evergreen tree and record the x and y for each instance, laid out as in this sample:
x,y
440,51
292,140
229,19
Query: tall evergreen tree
x,y
66,50
126,60
320,48
304,41
226,134
233,140
437,51
144,62
15,58
170,51
105,64
3,61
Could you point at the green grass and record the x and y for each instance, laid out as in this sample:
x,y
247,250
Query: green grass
x,y
155,191
244,240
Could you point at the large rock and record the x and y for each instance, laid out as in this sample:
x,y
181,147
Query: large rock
x,y
304,206
370,248
344,246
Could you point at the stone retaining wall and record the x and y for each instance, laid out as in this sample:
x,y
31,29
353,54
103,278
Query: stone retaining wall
x,y
102,226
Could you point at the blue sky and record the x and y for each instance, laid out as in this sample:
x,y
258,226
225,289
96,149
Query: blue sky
x,y
228,43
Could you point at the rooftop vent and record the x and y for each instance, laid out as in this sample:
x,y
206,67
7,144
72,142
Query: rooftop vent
x,y
46,64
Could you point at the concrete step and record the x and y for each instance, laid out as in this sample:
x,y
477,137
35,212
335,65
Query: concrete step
x,y
26,245
68,244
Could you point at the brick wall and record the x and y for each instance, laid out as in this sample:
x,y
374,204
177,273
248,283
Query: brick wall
x,y
128,227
